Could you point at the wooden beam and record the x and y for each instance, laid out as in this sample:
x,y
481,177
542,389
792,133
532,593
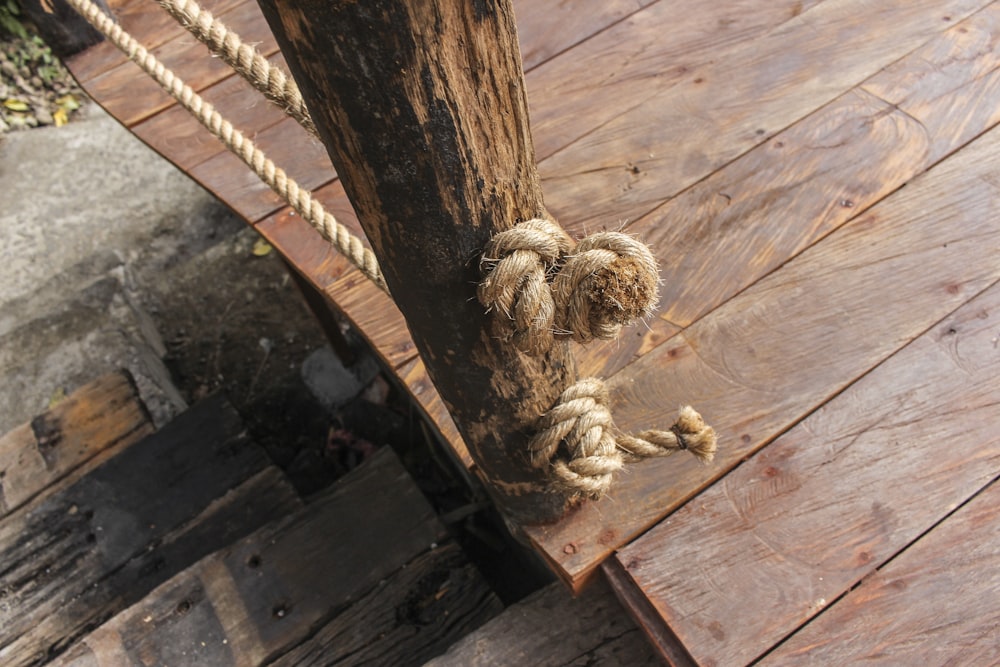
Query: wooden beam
x,y
422,108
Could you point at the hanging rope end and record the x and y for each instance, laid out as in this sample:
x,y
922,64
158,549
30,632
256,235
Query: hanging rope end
x,y
694,435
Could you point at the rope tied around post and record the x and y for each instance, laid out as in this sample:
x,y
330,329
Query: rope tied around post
x,y
517,264
580,444
544,287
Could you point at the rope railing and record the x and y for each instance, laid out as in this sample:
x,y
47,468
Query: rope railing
x,y
311,210
245,59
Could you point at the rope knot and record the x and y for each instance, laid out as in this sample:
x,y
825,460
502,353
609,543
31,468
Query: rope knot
x,y
583,449
610,281
516,264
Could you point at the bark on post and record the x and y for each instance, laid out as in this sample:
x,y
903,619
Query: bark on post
x,y
421,105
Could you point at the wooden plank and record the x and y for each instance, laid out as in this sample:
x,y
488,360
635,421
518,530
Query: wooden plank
x,y
633,163
178,136
546,29
414,377
145,21
288,146
937,603
950,85
815,512
550,628
414,615
722,234
62,554
646,53
266,594
754,365
100,418
131,96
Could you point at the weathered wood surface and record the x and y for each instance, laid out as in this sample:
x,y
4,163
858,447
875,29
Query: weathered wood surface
x,y
550,628
936,603
91,424
829,502
628,166
290,583
424,607
74,558
436,159
751,364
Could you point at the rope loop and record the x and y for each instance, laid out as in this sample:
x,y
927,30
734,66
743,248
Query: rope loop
x,y
610,281
516,264
579,443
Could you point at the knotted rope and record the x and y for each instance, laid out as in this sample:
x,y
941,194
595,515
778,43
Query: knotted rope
x,y
517,263
582,448
301,200
270,80
607,281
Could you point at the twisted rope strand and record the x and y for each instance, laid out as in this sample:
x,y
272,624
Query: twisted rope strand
x,y
301,200
516,264
583,449
607,281
246,60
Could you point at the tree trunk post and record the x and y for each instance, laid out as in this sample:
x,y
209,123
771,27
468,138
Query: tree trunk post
x,y
421,105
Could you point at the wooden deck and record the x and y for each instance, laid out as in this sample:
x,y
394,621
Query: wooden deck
x,y
838,329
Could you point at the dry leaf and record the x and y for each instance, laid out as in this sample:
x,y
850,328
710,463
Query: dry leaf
x,y
68,102
261,248
57,397
59,117
16,105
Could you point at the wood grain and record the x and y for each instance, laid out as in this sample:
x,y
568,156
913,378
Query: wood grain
x,y
772,354
551,628
546,29
826,504
950,84
177,136
289,147
631,164
632,61
92,423
147,23
935,603
437,158
131,96
267,593
414,615
73,558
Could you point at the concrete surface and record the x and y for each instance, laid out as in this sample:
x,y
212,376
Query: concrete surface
x,y
88,216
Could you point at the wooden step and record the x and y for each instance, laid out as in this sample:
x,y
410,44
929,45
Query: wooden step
x,y
551,628
364,574
88,427
71,559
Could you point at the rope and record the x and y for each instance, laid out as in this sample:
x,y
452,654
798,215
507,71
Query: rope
x,y
244,58
579,444
301,200
608,281
516,263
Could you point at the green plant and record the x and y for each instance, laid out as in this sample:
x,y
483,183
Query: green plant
x,y
10,19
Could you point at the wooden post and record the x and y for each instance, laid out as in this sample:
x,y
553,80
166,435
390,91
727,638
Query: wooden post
x,y
422,107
